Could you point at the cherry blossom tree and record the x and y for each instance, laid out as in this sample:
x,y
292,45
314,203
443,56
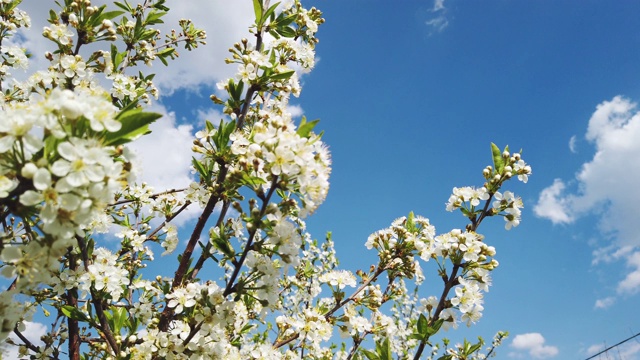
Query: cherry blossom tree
x,y
66,188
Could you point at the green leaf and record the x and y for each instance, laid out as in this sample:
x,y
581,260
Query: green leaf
x,y
257,9
74,313
474,348
435,327
305,128
498,161
270,11
125,6
117,318
411,225
384,350
285,31
282,21
370,355
202,171
445,357
282,76
222,244
154,17
253,181
221,138
135,123
109,15
423,326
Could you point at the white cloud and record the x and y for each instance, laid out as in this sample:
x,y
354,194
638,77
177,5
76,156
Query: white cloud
x,y
609,181
552,205
610,253
33,331
438,5
607,186
211,114
605,303
295,110
631,283
533,344
572,144
163,158
226,22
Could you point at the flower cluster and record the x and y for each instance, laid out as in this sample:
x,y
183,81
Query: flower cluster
x,y
274,150
49,171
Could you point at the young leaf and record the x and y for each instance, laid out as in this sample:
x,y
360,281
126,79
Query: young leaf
x,y
423,326
269,11
282,76
384,350
411,225
498,161
257,10
135,123
370,355
109,15
305,128
124,7
74,313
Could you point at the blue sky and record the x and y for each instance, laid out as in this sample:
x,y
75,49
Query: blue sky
x,y
410,95
410,98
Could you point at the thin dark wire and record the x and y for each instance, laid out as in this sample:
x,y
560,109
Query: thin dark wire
x,y
612,346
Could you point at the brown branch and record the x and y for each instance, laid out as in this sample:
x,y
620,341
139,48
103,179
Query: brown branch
x,y
26,341
165,317
453,279
105,330
339,305
72,324
236,270
153,196
207,249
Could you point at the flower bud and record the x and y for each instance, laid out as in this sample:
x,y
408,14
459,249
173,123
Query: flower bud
x,y
28,170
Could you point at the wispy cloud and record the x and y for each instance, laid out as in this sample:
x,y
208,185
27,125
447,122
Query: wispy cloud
x,y
438,5
629,351
605,303
439,21
606,186
534,345
572,144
